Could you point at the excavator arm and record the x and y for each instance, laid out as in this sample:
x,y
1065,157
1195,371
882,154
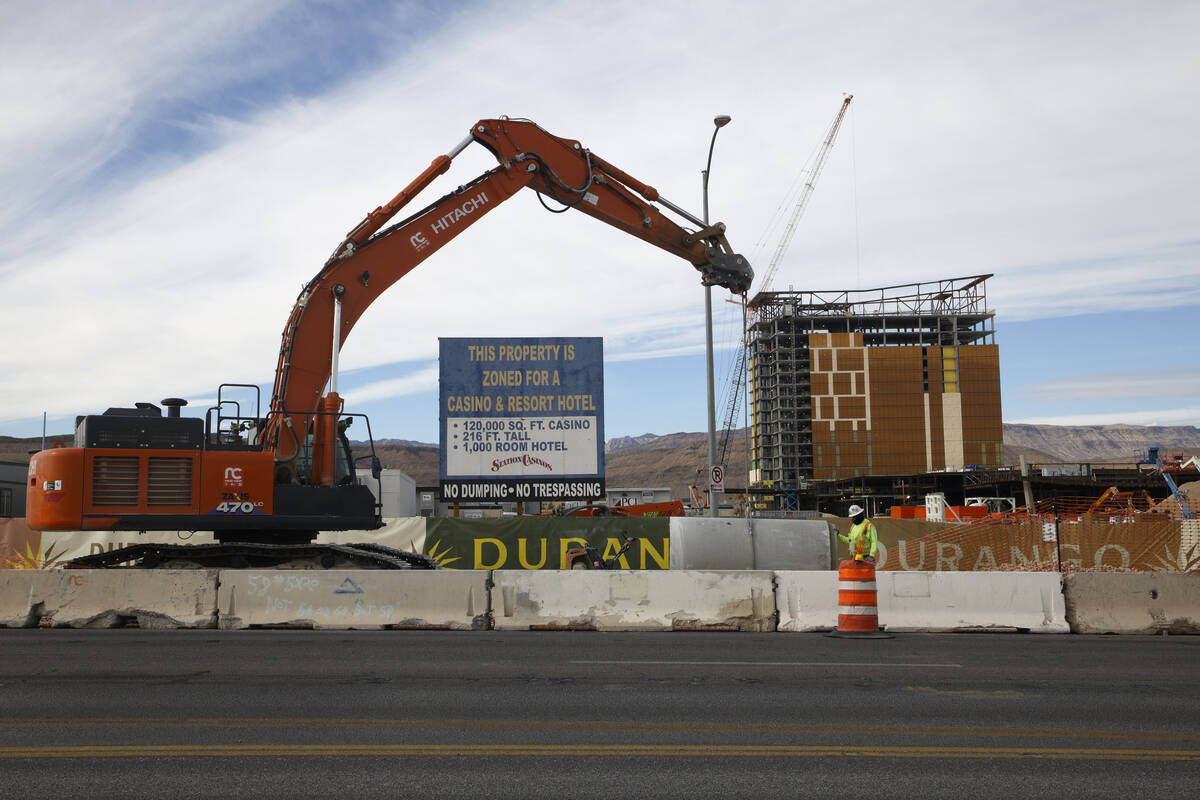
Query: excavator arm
x,y
372,258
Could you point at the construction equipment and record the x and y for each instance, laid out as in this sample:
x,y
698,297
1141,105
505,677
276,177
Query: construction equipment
x,y
802,201
785,240
669,508
1166,467
589,557
277,478
1115,502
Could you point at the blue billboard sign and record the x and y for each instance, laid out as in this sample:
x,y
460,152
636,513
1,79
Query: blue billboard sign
x,y
521,419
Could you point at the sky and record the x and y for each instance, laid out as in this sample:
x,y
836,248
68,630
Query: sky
x,y
175,172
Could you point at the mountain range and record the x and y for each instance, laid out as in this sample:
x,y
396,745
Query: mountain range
x,y
676,460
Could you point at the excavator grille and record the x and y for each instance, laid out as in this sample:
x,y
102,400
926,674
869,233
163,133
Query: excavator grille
x,y
140,481
115,481
169,482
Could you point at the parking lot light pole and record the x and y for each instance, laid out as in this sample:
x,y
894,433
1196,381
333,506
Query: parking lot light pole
x,y
718,122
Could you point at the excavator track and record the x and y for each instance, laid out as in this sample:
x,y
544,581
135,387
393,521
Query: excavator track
x,y
237,555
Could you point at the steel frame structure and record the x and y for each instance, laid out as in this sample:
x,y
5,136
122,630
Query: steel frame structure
x,y
945,313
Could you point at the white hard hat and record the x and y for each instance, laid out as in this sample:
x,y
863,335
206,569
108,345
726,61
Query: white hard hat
x,y
855,510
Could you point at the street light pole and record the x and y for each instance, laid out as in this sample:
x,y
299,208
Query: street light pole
x,y
718,123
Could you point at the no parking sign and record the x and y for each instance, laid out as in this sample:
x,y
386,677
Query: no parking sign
x,y
716,478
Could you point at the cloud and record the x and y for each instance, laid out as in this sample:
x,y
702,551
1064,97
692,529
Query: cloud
x,y
1151,279
423,380
135,269
1162,417
665,352
1156,384
81,82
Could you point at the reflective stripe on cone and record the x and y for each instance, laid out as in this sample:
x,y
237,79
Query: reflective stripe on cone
x,y
857,598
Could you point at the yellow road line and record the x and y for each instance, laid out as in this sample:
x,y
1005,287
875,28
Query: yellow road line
x,y
552,750
595,725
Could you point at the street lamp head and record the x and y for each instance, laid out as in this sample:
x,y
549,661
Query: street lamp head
x,y
722,120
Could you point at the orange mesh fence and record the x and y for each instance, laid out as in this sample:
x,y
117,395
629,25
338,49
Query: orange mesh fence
x,y
1123,534
1115,506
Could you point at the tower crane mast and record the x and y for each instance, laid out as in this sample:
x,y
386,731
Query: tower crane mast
x,y
785,240
822,156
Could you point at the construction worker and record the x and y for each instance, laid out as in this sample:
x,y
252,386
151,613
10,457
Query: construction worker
x,y
862,541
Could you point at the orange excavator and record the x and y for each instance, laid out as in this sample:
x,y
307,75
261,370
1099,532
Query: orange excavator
x,y
265,484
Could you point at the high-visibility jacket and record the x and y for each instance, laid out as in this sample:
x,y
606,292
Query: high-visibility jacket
x,y
862,539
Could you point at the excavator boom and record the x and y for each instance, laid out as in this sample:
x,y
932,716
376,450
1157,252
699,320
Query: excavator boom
x,y
372,257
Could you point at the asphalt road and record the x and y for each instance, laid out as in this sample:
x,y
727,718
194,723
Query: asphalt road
x,y
334,715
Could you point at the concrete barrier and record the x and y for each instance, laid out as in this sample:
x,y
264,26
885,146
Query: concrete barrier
x,y
705,543
1145,603
930,601
354,599
600,600
806,601
624,600
108,598
800,544
948,601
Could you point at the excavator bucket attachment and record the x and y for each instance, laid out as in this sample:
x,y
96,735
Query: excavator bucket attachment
x,y
728,270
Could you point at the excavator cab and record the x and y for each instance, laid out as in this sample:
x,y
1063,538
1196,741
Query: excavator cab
x,y
344,471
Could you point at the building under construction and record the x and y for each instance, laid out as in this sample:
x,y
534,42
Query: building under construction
x,y
891,381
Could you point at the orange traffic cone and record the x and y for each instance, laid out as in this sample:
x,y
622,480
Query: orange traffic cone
x,y
858,609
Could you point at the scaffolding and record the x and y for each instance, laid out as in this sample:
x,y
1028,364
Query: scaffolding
x,y
944,314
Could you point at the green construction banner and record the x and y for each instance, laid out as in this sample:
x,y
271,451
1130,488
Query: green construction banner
x,y
543,542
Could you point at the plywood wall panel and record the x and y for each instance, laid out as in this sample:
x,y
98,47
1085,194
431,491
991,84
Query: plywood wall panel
x,y
849,359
